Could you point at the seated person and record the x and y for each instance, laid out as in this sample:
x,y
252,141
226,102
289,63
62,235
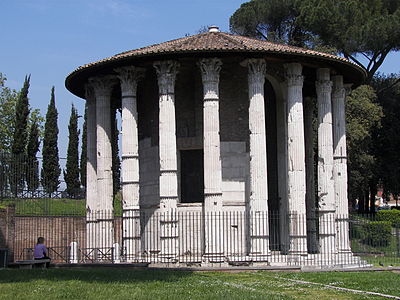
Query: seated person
x,y
40,251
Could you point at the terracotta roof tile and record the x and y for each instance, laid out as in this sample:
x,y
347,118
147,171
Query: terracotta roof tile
x,y
215,41
207,43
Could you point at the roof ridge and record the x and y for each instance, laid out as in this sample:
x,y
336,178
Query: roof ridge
x,y
185,38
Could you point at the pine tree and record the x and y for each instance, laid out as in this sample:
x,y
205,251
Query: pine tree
x,y
84,151
71,173
32,178
51,168
20,138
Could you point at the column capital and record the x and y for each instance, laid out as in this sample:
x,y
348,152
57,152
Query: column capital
x,y
256,70
323,83
293,74
166,74
338,91
129,77
347,88
89,92
103,85
210,68
323,86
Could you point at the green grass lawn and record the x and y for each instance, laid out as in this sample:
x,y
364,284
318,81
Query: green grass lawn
x,y
113,283
53,207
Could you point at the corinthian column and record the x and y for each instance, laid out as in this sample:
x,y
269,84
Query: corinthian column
x,y
102,88
210,69
166,74
296,160
340,163
326,190
259,231
91,168
129,77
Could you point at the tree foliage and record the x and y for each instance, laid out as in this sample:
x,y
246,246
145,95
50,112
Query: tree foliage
x,y
8,102
387,140
272,20
71,173
21,120
357,28
361,30
51,169
363,116
32,176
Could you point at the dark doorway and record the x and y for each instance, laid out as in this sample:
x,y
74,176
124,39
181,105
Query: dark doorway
x,y
192,174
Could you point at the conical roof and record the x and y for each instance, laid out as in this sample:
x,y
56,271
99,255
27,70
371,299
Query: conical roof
x,y
208,43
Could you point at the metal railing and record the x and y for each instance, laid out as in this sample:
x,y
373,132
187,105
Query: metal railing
x,y
198,238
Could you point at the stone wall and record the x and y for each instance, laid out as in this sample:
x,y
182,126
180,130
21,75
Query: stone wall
x,y
235,164
59,232
7,226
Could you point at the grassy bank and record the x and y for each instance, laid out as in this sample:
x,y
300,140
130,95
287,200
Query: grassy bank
x,y
132,284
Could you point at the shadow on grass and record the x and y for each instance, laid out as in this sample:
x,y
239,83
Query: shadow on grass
x,y
101,275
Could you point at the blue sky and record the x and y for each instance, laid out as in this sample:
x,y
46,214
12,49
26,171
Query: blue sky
x,y
50,38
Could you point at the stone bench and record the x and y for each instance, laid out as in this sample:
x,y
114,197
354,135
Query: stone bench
x,y
29,264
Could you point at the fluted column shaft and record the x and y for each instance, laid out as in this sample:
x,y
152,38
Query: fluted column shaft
x,y
103,88
259,229
129,77
210,69
91,168
166,74
326,197
340,163
91,163
296,160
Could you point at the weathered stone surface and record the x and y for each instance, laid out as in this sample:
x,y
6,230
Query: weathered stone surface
x,y
166,75
258,202
340,162
296,160
210,69
129,77
326,198
92,203
102,89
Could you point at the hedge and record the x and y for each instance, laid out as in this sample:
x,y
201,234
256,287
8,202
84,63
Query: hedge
x,y
376,233
391,216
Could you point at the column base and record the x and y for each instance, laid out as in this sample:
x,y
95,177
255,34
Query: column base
x,y
214,257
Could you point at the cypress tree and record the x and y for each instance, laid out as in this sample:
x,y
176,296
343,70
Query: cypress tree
x,y
21,120
18,148
51,168
32,178
71,173
84,150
